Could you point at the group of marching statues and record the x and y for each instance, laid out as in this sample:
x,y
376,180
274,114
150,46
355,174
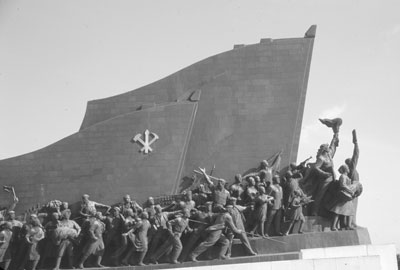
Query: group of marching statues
x,y
202,225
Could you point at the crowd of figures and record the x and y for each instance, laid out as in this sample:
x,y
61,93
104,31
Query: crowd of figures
x,y
263,202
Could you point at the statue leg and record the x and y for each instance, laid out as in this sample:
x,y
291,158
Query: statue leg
x,y
229,250
176,249
334,222
245,241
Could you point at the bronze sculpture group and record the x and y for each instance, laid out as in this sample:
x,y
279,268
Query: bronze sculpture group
x,y
201,224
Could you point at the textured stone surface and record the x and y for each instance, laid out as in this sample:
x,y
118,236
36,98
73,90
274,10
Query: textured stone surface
x,y
251,106
297,242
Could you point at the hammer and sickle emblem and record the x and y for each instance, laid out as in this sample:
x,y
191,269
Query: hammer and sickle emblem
x,y
146,143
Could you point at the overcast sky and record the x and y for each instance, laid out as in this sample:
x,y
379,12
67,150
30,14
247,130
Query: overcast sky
x,y
57,55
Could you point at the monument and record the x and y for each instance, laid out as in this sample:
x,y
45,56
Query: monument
x,y
227,112
230,110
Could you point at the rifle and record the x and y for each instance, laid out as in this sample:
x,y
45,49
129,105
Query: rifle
x,y
304,162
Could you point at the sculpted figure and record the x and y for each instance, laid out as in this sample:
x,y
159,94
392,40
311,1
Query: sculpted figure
x,y
266,169
128,203
128,222
260,211
236,189
200,197
65,235
159,224
16,239
236,212
343,206
5,251
220,220
295,211
138,238
33,235
201,220
114,223
49,244
175,227
251,191
322,173
90,207
274,214
94,229
219,194
354,176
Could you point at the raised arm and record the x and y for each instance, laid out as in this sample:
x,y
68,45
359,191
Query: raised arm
x,y
334,144
209,182
356,151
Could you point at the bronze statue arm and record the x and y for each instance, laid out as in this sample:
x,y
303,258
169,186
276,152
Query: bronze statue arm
x,y
334,144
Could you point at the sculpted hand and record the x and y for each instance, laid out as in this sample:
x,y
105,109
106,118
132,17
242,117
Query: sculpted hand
x,y
203,170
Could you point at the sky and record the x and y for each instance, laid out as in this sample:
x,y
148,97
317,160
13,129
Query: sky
x,y
57,55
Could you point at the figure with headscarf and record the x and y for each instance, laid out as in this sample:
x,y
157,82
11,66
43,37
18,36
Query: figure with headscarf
x,y
94,229
344,202
139,240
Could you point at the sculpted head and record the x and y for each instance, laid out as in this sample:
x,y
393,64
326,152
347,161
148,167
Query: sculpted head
x,y
276,179
238,178
324,148
150,200
344,169
66,214
127,198
11,215
264,164
221,183
144,215
85,198
251,181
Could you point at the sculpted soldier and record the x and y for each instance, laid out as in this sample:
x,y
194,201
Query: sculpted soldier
x,y
220,220
159,224
236,212
201,218
90,207
175,228
65,235
219,194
